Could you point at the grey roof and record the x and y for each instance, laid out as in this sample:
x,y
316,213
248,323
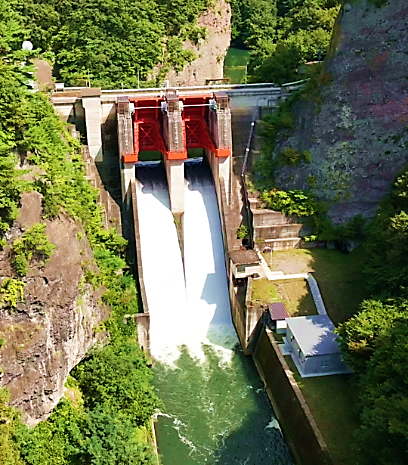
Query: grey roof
x,y
277,310
244,257
314,334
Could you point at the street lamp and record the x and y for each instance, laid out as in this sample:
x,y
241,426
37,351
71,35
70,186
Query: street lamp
x,y
27,45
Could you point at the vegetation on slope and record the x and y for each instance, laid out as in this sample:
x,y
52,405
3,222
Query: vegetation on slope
x,y
106,419
113,44
283,34
375,341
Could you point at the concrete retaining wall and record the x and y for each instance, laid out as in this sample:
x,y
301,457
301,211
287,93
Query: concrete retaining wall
x,y
264,217
238,317
246,317
277,231
142,320
295,418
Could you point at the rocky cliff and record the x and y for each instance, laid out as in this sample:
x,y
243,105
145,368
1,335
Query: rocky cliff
x,y
357,132
210,54
51,331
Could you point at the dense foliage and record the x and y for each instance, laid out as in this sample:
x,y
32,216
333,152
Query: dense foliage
x,y
10,422
387,267
113,43
375,341
11,292
104,420
108,419
32,245
283,34
294,202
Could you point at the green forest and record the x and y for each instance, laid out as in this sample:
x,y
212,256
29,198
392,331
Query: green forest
x,y
120,43
114,43
282,35
375,341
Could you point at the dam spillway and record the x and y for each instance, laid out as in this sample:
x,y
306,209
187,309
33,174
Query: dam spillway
x,y
215,408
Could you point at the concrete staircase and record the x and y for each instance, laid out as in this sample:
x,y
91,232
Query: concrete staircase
x,y
275,229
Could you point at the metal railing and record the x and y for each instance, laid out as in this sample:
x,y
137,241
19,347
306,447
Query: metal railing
x,y
243,175
263,85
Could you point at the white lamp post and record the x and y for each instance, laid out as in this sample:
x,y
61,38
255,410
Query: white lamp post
x,y
27,45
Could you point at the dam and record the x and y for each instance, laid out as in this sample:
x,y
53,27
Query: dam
x,y
215,406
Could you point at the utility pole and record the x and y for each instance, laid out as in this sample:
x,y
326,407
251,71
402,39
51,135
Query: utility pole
x,y
138,82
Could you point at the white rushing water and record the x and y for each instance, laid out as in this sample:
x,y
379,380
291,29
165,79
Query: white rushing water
x,y
194,309
162,266
206,279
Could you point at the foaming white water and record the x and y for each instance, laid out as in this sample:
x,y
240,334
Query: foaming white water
x,y
206,280
162,269
194,310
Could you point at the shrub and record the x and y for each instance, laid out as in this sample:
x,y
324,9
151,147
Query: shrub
x,y
312,182
10,420
12,291
271,126
20,264
307,156
289,156
242,232
294,202
33,245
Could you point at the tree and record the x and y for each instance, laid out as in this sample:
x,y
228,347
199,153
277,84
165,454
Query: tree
x,y
9,421
383,433
114,42
387,243
363,334
282,34
118,376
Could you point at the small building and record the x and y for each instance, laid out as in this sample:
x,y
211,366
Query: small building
x,y
278,314
313,346
244,263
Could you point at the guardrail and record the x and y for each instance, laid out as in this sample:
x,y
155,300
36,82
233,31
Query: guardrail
x,y
264,85
243,172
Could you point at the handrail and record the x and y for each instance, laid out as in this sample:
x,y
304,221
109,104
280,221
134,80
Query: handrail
x,y
243,171
188,88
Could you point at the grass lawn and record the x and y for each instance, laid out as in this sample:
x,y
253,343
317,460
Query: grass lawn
x,y
294,293
339,276
332,401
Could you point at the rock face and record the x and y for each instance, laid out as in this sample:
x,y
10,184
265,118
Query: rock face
x,y
51,331
358,135
210,55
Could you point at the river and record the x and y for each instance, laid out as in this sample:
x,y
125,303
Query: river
x,y
215,407
235,65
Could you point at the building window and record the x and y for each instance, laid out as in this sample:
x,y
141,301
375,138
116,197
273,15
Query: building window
x,y
241,268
